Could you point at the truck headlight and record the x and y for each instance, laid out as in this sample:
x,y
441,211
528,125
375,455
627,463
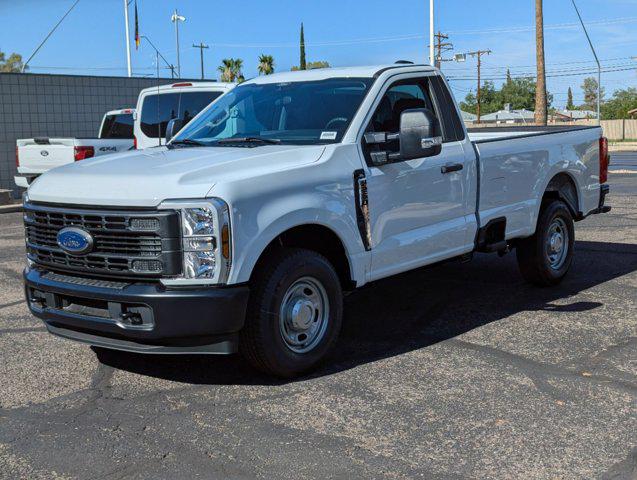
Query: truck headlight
x,y
205,231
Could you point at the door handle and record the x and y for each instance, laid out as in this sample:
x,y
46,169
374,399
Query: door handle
x,y
451,167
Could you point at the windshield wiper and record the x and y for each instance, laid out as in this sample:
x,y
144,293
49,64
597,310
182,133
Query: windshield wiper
x,y
189,142
268,141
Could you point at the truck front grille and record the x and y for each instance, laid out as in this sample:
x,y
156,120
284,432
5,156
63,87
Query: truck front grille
x,y
125,243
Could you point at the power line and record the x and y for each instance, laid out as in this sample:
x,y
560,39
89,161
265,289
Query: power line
x,y
420,36
24,66
555,75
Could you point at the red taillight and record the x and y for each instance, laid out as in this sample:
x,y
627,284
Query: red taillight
x,y
82,153
17,157
603,160
135,143
185,84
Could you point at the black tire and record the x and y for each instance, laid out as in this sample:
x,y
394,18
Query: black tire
x,y
262,341
533,252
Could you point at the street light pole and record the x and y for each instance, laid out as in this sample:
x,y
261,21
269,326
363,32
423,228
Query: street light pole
x,y
432,59
128,62
176,18
599,66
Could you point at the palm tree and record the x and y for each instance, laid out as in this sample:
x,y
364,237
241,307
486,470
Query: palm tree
x,y
230,69
266,64
226,70
540,89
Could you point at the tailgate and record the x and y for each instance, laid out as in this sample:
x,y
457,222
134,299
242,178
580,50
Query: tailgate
x,y
37,155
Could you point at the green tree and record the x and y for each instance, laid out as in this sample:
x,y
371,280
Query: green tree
x,y
230,69
266,64
518,92
302,63
569,101
509,79
490,100
590,93
313,65
13,64
620,104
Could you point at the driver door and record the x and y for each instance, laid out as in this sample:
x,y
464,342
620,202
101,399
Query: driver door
x,y
416,211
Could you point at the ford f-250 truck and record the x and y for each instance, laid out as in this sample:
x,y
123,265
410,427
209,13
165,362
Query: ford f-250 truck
x,y
245,230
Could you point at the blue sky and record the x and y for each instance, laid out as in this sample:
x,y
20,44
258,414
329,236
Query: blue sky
x,y
344,32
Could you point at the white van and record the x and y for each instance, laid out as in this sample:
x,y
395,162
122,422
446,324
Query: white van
x,y
156,106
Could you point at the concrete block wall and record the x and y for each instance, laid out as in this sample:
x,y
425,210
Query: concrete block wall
x,y
42,105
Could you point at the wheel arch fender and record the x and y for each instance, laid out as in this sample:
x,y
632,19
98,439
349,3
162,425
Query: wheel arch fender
x,y
250,252
560,185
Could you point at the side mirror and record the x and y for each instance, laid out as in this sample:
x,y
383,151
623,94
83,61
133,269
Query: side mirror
x,y
173,128
419,134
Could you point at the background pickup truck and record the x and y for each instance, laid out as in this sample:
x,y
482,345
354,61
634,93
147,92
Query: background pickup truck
x,y
35,156
243,232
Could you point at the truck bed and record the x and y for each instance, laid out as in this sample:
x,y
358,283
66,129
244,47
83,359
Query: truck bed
x,y
508,157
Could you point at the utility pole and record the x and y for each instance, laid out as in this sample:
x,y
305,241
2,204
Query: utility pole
x,y
201,47
441,46
176,18
479,54
432,60
128,62
541,103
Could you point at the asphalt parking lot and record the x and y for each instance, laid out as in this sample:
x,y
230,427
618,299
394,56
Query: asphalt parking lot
x,y
453,372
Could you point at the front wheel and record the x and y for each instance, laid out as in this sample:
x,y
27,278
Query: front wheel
x,y
294,314
545,258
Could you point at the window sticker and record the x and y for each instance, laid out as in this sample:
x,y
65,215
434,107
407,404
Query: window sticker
x,y
328,135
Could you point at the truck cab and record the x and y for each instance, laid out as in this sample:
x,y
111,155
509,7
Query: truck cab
x,y
242,232
156,106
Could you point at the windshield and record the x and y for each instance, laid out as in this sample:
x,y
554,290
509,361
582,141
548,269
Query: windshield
x,y
158,110
295,112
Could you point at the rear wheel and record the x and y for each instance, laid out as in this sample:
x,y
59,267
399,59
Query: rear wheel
x,y
545,258
294,314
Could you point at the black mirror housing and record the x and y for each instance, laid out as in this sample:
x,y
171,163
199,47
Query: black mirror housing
x,y
173,128
419,134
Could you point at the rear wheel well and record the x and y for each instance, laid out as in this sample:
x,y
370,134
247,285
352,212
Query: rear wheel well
x,y
317,238
562,187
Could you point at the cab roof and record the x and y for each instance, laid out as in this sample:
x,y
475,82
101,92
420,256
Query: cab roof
x,y
185,85
341,72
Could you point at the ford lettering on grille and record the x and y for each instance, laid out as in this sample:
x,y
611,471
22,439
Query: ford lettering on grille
x,y
75,240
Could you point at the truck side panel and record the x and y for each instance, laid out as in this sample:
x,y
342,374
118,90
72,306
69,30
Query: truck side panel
x,y
515,172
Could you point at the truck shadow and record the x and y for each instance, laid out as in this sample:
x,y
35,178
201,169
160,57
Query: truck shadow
x,y
414,311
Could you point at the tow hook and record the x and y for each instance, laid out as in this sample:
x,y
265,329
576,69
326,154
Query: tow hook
x,y
131,318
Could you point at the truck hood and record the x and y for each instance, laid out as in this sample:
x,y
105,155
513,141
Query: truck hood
x,y
144,178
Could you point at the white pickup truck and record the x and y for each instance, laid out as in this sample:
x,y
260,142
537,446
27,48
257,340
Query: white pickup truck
x,y
35,156
245,230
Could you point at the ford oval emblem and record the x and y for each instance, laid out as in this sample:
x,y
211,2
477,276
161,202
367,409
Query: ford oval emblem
x,y
75,241
44,153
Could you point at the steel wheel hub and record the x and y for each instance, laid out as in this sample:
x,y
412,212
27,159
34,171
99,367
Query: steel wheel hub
x,y
557,243
304,315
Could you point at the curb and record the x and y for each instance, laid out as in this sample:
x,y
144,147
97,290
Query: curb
x,y
11,208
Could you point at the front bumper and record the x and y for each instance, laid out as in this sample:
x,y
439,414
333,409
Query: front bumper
x,y
138,317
